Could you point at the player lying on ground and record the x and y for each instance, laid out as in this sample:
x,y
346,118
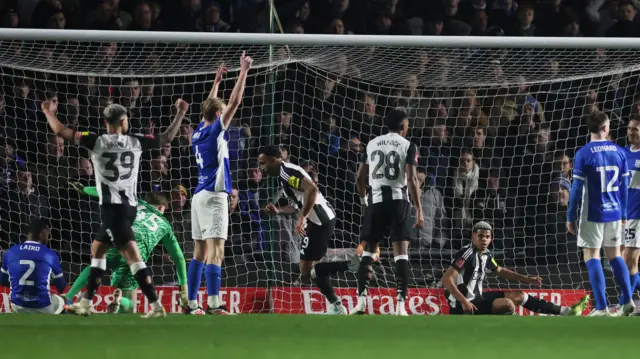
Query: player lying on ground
x,y
150,229
209,205
600,173
116,160
28,268
316,223
390,163
464,279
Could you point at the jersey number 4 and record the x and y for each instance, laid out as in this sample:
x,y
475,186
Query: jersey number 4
x,y
610,185
126,162
199,160
391,161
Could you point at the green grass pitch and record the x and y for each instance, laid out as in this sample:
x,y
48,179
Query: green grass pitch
x,y
324,337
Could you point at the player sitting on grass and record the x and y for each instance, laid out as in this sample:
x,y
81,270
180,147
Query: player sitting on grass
x,y
464,279
150,229
28,268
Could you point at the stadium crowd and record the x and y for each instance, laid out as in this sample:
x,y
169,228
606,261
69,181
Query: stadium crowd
x,y
501,154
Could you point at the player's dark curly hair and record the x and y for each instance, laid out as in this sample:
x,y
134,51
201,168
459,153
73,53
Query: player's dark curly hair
x,y
113,114
394,120
271,151
37,226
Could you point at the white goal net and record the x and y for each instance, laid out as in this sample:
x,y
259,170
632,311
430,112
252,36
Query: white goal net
x,y
497,127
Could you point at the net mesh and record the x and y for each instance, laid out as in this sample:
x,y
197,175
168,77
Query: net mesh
x,y
497,130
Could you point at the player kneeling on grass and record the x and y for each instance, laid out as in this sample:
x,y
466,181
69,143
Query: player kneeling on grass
x,y
150,229
28,268
463,282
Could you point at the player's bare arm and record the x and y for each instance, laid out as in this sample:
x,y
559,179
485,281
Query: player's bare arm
x,y
238,90
361,180
517,277
273,210
172,131
217,81
414,190
49,109
310,193
449,283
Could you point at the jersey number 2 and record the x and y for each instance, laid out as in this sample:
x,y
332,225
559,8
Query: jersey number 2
x,y
126,162
392,162
24,280
608,186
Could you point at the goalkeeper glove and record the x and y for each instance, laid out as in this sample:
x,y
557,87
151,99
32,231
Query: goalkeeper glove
x,y
184,298
77,186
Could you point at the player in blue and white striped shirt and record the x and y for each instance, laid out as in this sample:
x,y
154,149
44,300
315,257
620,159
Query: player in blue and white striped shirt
x,y
600,175
29,268
210,206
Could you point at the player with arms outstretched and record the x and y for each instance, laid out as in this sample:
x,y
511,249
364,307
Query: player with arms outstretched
x,y
465,277
391,165
209,205
116,160
600,170
150,229
28,268
316,223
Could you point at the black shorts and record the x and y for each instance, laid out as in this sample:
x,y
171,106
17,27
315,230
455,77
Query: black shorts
x,y
484,304
386,219
314,245
116,224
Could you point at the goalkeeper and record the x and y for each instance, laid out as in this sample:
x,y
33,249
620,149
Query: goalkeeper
x,y
150,228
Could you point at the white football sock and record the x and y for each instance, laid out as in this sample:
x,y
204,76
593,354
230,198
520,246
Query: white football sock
x,y
214,301
193,304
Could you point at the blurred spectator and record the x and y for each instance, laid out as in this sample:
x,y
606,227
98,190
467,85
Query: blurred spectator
x,y
210,20
180,218
183,163
433,233
143,18
435,153
250,209
9,17
626,26
24,203
524,25
494,204
463,186
156,178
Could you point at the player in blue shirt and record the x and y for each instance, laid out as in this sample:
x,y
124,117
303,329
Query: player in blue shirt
x,y
600,169
209,205
29,268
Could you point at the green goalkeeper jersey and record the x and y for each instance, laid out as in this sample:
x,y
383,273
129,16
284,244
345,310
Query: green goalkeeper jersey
x,y
150,228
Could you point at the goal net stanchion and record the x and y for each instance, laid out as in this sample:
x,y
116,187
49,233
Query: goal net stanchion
x,y
497,121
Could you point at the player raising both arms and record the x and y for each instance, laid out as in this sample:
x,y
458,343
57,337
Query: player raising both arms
x,y
150,229
28,268
465,277
391,164
116,160
600,170
209,206
316,223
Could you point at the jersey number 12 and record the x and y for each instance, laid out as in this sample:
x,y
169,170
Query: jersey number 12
x,y
610,185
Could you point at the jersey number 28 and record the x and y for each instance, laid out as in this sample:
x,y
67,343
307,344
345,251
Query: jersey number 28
x,y
391,161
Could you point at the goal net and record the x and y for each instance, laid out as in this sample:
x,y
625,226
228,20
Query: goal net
x,y
497,127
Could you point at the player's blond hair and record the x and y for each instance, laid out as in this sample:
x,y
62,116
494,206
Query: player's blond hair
x,y
211,108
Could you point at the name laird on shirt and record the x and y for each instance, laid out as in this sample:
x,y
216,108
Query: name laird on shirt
x,y
388,143
595,149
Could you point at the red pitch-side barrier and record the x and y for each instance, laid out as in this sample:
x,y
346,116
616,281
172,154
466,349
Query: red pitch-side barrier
x,y
300,300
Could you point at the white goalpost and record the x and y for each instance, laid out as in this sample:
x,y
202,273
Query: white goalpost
x,y
497,121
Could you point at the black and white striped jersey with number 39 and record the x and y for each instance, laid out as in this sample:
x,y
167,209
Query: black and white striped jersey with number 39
x,y
116,162
387,156
290,180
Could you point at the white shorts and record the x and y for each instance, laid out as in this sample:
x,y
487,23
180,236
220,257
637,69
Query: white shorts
x,y
598,234
56,307
632,233
209,215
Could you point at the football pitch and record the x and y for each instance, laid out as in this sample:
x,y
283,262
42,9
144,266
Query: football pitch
x,y
323,337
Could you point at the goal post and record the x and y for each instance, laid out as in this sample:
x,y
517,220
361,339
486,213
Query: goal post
x,y
497,121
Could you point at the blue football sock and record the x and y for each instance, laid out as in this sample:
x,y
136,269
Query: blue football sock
x,y
635,281
621,274
596,277
213,275
194,278
637,275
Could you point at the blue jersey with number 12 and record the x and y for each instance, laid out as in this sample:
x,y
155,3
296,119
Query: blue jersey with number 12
x,y
30,267
211,149
602,165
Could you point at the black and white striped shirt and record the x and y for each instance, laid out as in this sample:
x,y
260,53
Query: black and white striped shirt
x,y
387,156
290,180
472,267
116,162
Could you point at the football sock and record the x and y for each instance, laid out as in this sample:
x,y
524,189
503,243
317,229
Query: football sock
x,y
142,274
98,267
194,279
596,277
324,284
126,305
79,284
213,276
402,275
540,306
633,284
329,268
365,272
621,274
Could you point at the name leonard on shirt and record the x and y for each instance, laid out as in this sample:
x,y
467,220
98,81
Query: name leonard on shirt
x,y
596,149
